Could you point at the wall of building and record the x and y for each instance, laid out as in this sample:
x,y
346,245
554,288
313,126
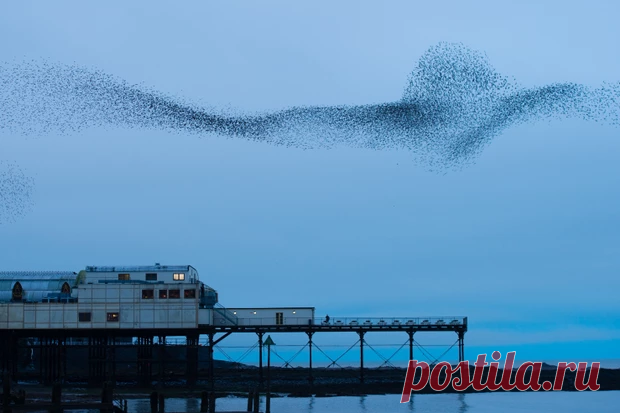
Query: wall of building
x,y
133,293
164,273
66,315
124,300
268,316
135,297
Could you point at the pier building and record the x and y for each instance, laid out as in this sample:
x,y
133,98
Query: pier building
x,y
103,307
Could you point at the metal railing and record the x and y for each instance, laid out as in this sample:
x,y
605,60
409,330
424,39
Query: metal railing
x,y
226,317
391,321
355,321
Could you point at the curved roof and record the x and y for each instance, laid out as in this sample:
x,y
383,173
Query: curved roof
x,y
35,284
37,275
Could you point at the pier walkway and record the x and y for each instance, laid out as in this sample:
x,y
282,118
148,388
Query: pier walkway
x,y
150,343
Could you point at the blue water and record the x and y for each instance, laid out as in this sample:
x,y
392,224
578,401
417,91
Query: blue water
x,y
530,402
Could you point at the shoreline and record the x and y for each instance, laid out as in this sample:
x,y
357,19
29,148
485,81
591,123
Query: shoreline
x,y
291,382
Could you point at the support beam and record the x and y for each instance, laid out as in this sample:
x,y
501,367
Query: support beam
x,y
260,358
210,335
161,343
111,359
145,360
97,359
361,334
13,352
191,359
4,353
310,377
461,335
222,338
63,358
410,333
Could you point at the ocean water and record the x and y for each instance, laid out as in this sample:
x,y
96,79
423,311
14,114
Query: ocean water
x,y
530,402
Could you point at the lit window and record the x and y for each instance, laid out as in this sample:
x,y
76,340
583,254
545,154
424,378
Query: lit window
x,y
148,294
113,317
174,294
84,317
178,277
123,277
189,293
151,277
163,293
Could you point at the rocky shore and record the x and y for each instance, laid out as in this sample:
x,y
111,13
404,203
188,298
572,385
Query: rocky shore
x,y
239,379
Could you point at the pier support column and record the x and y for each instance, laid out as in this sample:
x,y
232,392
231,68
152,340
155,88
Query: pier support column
x,y
161,355
145,360
63,358
97,359
111,359
211,362
461,335
51,359
9,353
361,334
310,377
192,359
410,333
260,357
14,345
4,352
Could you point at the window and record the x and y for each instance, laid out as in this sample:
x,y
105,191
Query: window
x,y
17,292
279,318
189,293
84,317
123,277
148,294
178,277
174,294
113,317
163,293
151,277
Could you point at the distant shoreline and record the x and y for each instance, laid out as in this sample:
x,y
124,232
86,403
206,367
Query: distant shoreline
x,y
292,382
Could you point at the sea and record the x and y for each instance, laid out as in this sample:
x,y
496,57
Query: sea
x,y
530,402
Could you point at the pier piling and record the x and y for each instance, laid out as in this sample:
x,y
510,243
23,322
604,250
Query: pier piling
x,y
256,401
250,400
162,399
361,334
154,401
204,402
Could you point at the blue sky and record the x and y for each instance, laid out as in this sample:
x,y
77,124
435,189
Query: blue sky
x,y
525,242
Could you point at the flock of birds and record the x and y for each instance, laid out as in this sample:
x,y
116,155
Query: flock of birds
x,y
15,192
454,104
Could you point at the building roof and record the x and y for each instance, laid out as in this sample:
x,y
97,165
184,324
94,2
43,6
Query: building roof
x,y
35,284
139,268
37,275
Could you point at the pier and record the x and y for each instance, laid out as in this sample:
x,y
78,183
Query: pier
x,y
119,324
149,346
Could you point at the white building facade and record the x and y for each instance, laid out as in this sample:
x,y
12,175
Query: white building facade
x,y
139,297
